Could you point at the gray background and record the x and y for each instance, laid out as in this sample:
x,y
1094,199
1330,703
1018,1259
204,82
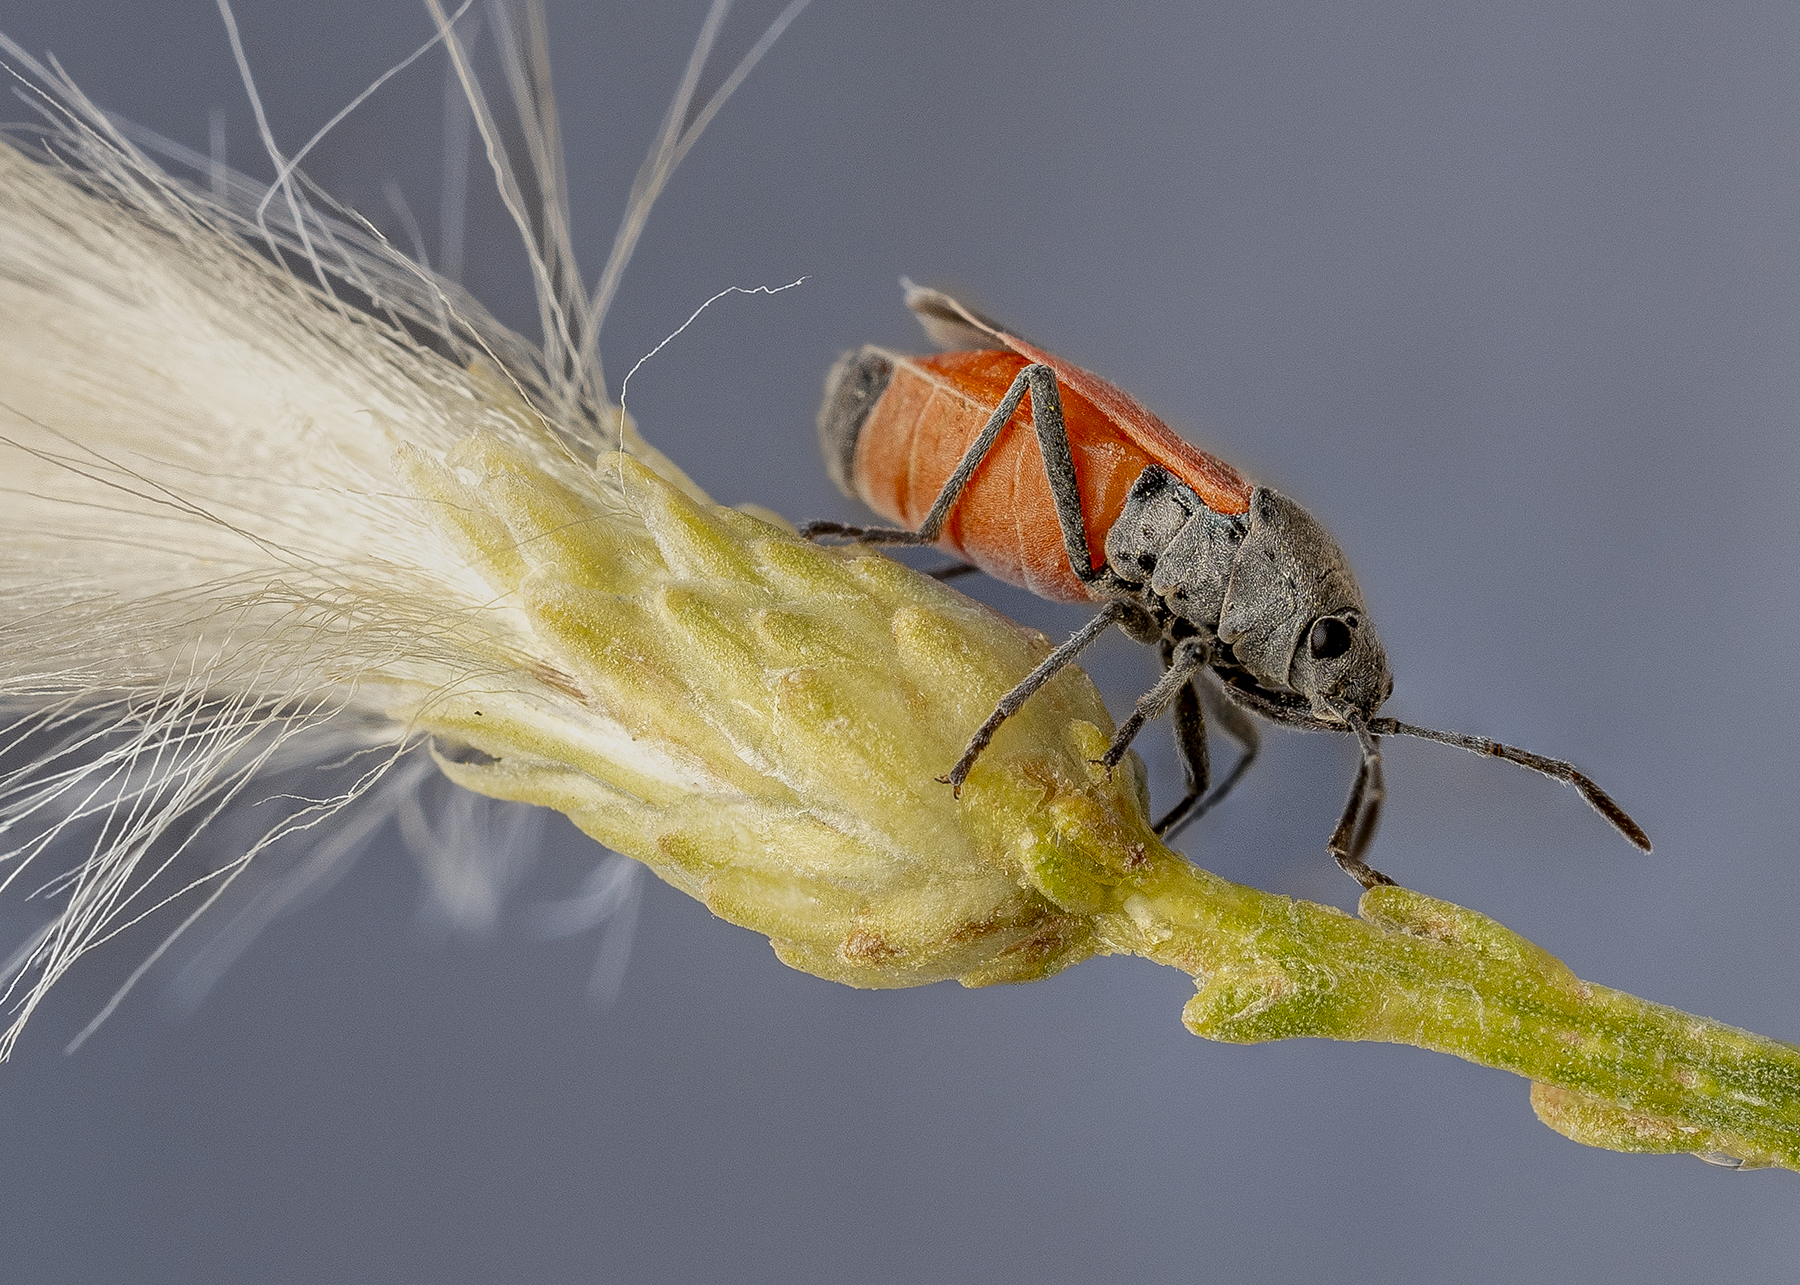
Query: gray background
x,y
1508,295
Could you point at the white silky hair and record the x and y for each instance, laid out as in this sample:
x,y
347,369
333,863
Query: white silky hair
x,y
212,581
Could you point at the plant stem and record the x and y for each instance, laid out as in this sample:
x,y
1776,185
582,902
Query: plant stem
x,y
1609,1069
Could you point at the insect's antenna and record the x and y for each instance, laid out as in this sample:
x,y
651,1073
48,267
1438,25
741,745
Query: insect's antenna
x,y
1362,814
1556,769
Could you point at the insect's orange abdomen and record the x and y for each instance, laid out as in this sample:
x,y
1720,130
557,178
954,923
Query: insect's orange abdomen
x,y
1005,522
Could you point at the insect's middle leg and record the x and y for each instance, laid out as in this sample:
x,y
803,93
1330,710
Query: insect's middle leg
x,y
1011,703
1182,662
1190,747
1190,742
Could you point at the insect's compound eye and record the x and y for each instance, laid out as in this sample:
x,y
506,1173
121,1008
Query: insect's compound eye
x,y
1330,638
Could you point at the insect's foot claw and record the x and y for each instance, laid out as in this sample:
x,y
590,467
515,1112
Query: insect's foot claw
x,y
1362,871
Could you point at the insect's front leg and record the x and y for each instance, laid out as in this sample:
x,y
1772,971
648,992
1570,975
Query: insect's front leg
x,y
1362,812
1356,828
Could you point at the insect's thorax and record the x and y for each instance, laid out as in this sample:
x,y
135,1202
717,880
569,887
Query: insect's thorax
x,y
1255,585
1174,551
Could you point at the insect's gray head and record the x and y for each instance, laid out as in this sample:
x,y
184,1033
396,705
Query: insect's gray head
x,y
1294,616
1339,663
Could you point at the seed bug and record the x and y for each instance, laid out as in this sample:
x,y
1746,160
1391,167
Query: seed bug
x,y
1007,457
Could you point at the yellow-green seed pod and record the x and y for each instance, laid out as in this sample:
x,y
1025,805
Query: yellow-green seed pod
x,y
762,722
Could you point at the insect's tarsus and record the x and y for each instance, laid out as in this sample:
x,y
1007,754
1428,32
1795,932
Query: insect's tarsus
x,y
1184,660
1190,744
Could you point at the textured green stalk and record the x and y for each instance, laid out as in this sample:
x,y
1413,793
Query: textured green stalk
x,y
1609,1069
763,722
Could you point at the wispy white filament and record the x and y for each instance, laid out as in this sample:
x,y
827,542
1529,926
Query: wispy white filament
x,y
208,565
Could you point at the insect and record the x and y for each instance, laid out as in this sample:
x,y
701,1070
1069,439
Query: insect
x,y
1016,462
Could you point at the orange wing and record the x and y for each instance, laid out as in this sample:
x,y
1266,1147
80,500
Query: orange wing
x,y
1219,486
1005,522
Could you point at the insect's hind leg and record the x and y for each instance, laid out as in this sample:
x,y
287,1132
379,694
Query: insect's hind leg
x,y
862,534
1039,381
952,490
1053,449
1190,743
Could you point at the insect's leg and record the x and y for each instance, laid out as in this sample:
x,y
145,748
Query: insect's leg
x,y
1010,703
1184,659
1236,724
939,513
952,571
1356,828
861,534
1240,727
1059,467
1190,746
1053,449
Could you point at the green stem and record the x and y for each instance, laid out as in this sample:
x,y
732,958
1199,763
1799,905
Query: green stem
x,y
1609,1069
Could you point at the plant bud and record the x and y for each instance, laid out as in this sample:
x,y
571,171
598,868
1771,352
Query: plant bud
x,y
763,721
